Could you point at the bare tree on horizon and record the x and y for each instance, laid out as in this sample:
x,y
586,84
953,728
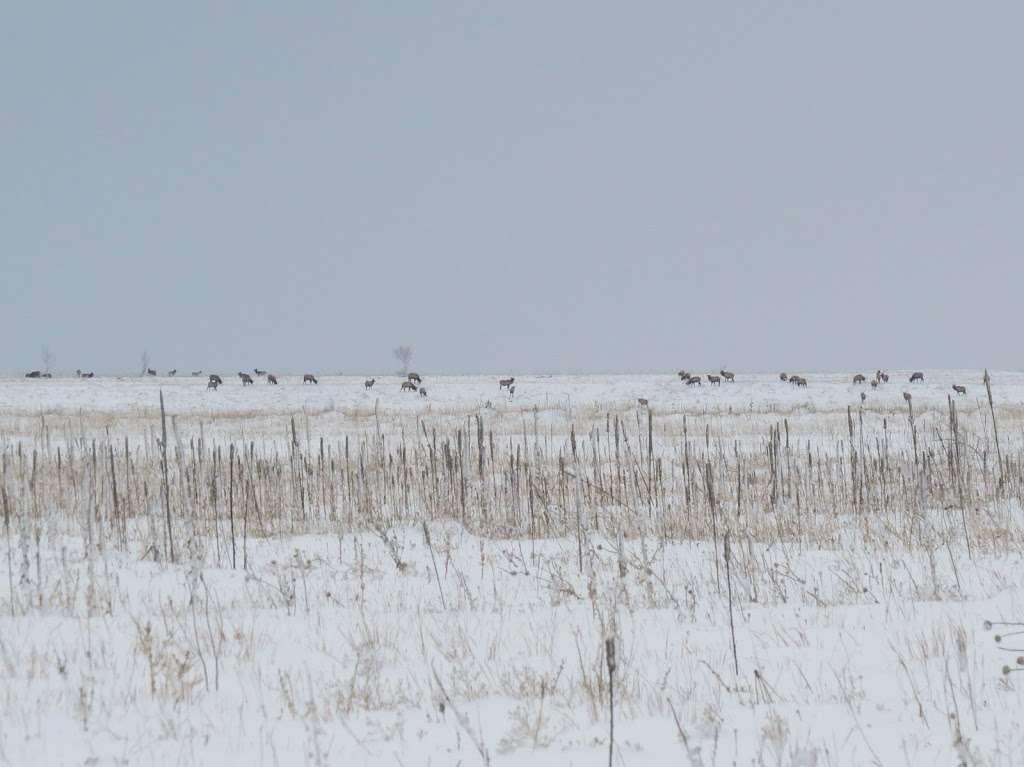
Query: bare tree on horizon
x,y
404,355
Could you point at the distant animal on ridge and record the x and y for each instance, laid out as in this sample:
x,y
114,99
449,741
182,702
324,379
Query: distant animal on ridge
x,y
693,380
415,377
714,380
216,379
959,389
783,377
150,372
196,373
683,375
309,378
34,374
259,372
246,379
917,377
213,383
859,379
369,382
271,379
423,391
730,377
172,373
504,383
408,386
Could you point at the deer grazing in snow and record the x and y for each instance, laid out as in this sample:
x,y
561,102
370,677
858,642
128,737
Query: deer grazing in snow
x,y
172,373
683,376
34,374
798,381
859,379
259,372
693,381
196,373
216,379
917,377
504,383
729,377
271,379
246,379
959,389
414,377
783,377
408,386
150,372
369,382
715,380
309,378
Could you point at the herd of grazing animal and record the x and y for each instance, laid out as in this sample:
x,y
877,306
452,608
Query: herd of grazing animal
x,y
414,382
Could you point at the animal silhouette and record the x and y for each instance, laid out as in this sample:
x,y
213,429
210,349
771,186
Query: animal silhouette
x,y
309,378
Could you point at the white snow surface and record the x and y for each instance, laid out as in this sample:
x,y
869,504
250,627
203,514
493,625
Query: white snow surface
x,y
485,651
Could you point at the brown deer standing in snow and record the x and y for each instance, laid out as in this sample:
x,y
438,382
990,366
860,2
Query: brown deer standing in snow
x,y
959,389
309,378
271,379
714,380
369,382
730,377
917,377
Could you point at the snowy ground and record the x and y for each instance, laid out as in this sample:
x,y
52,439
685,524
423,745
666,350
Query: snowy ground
x,y
426,644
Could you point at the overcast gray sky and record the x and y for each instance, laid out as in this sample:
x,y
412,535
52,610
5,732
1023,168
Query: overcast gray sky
x,y
511,187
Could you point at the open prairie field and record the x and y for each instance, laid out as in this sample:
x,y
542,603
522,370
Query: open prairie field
x,y
750,573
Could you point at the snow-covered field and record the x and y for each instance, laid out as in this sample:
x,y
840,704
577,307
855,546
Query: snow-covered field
x,y
788,576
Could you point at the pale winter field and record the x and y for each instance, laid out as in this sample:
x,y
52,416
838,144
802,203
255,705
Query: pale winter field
x,y
325,575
